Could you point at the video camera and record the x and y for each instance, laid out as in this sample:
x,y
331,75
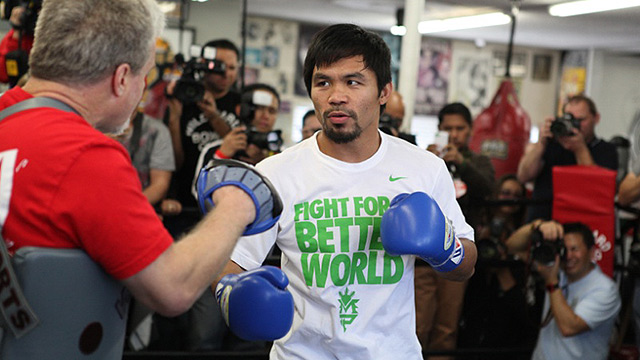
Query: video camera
x,y
562,125
29,16
249,102
545,251
189,88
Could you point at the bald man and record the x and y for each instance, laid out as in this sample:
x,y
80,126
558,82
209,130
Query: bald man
x,y
391,119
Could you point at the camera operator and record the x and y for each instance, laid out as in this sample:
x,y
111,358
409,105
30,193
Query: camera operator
x,y
577,145
16,44
581,303
195,123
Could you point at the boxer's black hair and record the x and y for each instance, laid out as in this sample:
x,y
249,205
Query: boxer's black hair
x,y
343,41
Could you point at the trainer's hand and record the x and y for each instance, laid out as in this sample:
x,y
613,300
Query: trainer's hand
x,y
219,173
414,224
256,304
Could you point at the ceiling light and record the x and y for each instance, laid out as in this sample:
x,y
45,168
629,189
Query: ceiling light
x,y
590,6
398,30
465,22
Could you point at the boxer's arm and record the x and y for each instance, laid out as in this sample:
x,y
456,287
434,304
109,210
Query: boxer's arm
x,y
230,268
467,267
175,280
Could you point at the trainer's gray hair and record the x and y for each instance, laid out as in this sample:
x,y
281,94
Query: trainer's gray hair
x,y
82,41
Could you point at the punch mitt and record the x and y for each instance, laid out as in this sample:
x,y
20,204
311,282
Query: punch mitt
x,y
224,172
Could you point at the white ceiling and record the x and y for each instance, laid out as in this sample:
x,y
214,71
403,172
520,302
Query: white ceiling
x,y
617,30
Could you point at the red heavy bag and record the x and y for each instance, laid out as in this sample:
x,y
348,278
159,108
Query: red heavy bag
x,y
586,194
501,131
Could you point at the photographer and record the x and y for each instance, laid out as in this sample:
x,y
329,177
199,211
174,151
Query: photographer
x,y
17,43
581,303
577,145
502,319
254,139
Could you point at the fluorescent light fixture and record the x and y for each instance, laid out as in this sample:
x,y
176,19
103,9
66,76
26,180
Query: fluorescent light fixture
x,y
398,30
590,6
465,22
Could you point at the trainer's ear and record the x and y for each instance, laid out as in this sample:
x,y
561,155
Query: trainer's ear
x,y
120,79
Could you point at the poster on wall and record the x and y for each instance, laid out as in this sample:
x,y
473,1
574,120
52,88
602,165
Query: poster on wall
x,y
270,54
433,76
472,82
573,77
305,34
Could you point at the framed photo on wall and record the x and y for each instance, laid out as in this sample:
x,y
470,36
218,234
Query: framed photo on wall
x,y
541,67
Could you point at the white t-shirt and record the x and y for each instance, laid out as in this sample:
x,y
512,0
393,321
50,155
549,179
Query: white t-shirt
x,y
352,300
595,299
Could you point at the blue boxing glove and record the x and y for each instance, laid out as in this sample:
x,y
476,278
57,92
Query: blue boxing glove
x,y
220,173
256,304
414,224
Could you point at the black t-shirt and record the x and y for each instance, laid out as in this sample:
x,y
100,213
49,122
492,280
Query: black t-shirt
x,y
604,154
196,132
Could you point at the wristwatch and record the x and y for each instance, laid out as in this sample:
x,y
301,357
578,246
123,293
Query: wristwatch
x,y
552,287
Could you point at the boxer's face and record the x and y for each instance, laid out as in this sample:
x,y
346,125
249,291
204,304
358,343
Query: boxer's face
x,y
578,257
346,96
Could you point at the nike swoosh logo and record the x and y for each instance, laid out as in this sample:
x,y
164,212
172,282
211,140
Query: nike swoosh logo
x,y
392,179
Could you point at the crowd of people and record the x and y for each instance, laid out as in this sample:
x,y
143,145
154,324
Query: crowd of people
x,y
137,213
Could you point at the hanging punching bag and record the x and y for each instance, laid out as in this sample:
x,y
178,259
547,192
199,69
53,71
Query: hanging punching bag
x,y
501,131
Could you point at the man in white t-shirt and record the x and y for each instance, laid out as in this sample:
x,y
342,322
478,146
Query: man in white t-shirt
x,y
581,304
353,300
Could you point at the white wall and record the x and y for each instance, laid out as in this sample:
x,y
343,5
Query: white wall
x,y
537,97
216,19
615,88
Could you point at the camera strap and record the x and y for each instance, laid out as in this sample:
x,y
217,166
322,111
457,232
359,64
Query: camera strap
x,y
17,315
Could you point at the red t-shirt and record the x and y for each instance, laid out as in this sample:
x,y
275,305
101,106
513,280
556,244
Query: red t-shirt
x,y
63,184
